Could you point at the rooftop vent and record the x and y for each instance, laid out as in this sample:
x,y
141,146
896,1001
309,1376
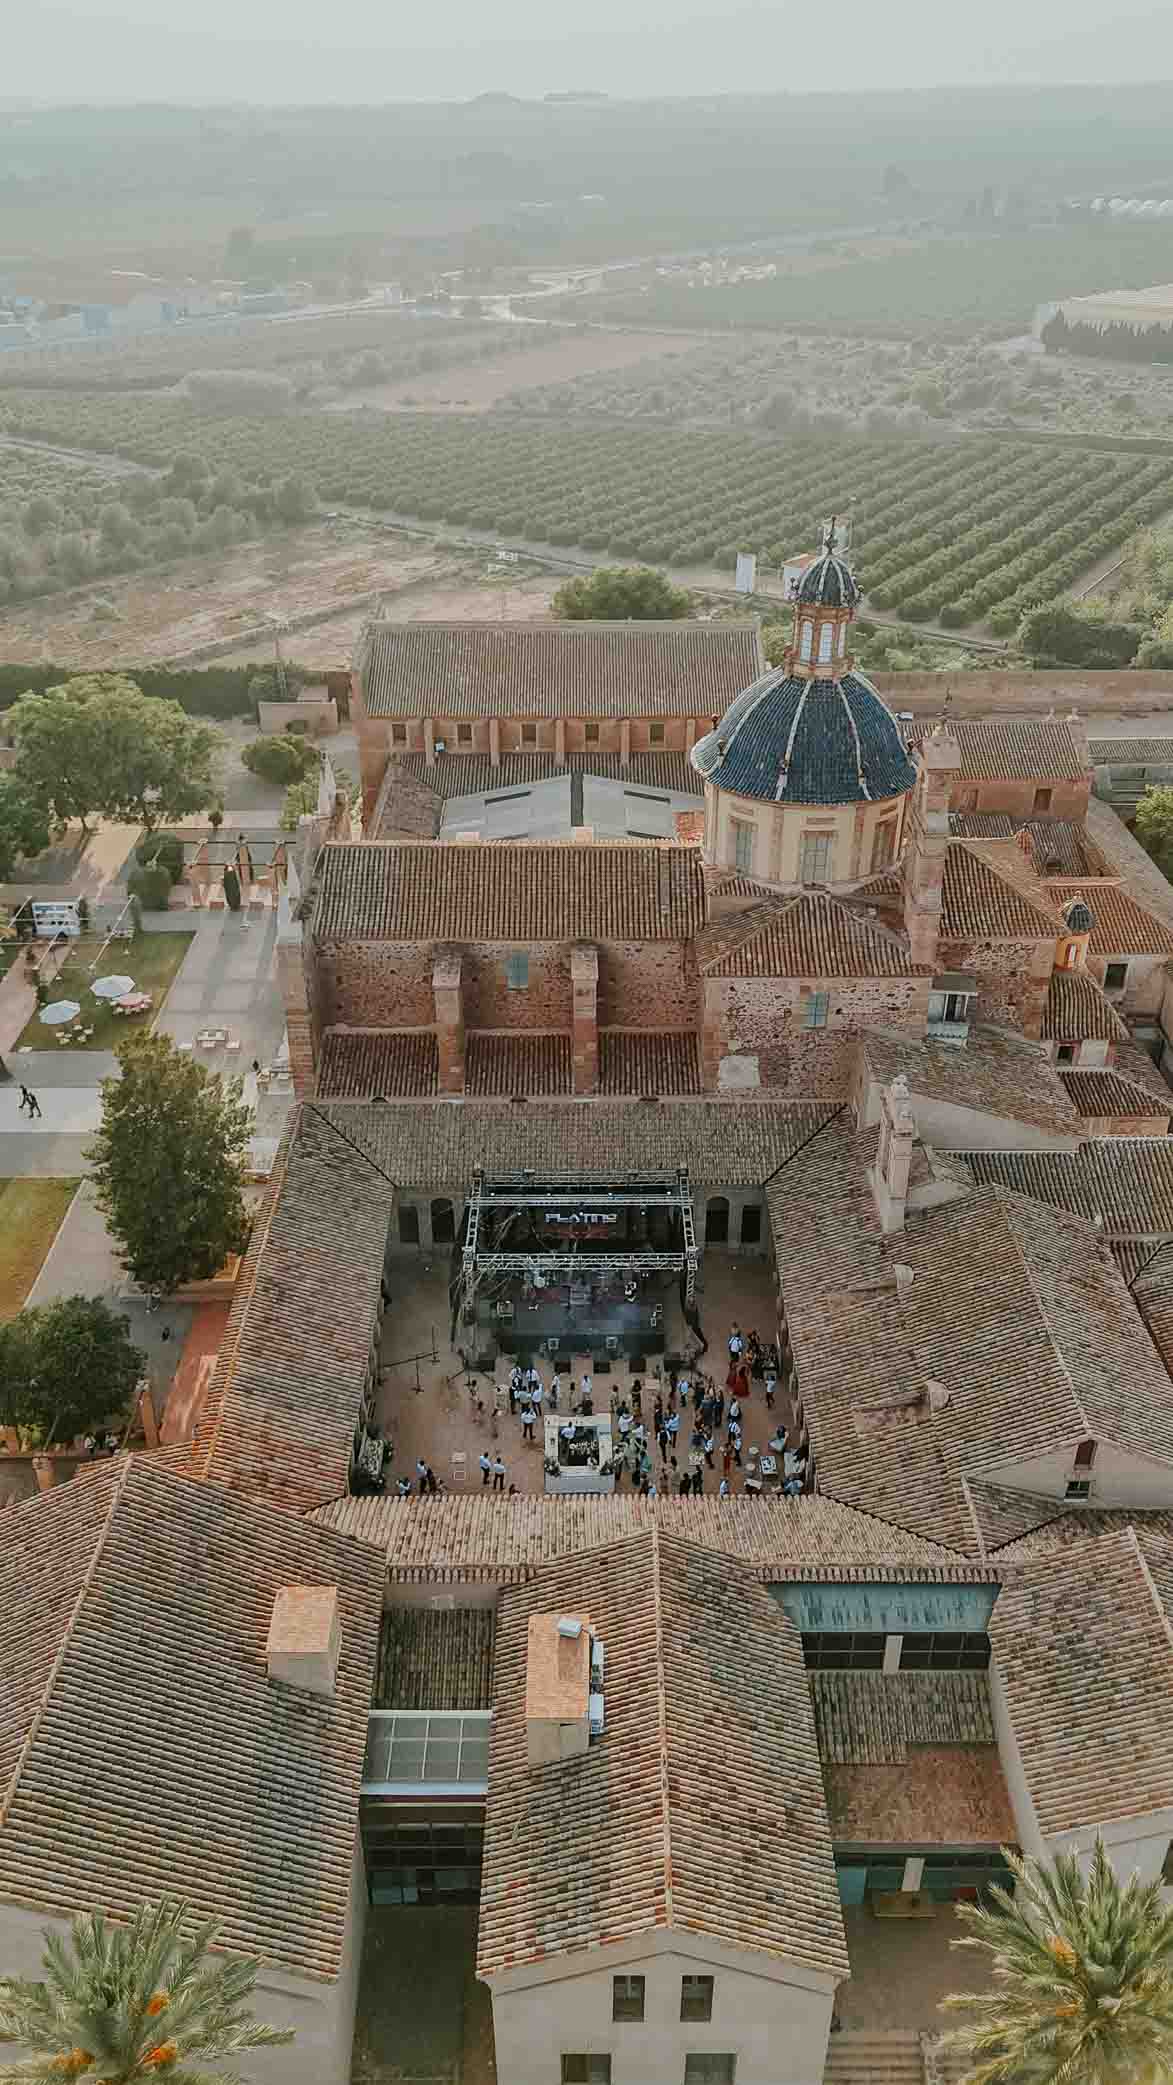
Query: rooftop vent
x,y
305,1638
939,1398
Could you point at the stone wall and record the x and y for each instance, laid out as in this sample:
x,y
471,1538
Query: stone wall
x,y
763,1018
648,984
543,1004
376,984
1065,799
1144,989
1014,978
1028,694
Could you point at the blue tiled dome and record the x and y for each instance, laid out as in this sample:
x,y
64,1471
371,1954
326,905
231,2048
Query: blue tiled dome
x,y
798,741
828,583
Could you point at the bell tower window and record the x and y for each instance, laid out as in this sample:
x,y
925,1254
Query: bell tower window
x,y
806,640
826,640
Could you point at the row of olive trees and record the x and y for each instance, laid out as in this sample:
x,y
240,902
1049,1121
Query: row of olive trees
x,y
1081,1991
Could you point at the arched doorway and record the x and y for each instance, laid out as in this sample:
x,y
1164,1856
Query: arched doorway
x,y
717,1220
443,1222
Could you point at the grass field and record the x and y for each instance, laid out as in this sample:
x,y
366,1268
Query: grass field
x,y
153,961
30,1218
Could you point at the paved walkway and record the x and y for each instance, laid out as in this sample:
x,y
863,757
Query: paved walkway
x,y
82,1262
228,981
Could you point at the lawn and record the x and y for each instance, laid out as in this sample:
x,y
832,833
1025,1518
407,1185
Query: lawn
x,y
151,959
30,1217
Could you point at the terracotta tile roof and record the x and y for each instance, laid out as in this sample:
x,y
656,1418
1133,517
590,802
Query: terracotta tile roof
x,y
357,1063
1131,752
502,1541
1077,1010
1001,1516
1123,927
1040,749
469,892
1123,1183
1121,854
1057,841
992,1274
693,1646
530,1064
468,774
877,1718
437,1146
943,1795
1084,1651
407,806
1075,1529
809,936
436,1659
990,895
1097,1095
134,1615
680,669
288,1388
997,1073
641,1060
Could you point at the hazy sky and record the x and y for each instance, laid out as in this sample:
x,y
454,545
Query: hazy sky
x,y
372,50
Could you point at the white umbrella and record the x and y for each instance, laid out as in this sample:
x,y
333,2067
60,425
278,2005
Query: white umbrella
x,y
112,987
61,1010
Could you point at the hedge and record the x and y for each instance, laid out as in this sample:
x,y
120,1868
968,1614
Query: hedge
x,y
203,691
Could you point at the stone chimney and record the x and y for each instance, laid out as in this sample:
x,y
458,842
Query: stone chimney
x,y
448,1002
584,985
305,1638
928,843
889,1176
557,1688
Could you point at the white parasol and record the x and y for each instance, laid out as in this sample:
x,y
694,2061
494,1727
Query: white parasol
x,y
60,1010
112,987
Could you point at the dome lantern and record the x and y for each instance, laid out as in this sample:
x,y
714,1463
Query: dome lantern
x,y
825,602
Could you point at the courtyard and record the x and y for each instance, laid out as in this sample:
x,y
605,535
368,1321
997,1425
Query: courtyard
x,y
433,1410
422,2019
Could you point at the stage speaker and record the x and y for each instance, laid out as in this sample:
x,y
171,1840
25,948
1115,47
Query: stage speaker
x,y
552,1345
611,1343
602,1364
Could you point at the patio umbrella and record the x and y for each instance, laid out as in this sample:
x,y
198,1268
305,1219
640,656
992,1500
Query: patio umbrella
x,y
112,987
60,1010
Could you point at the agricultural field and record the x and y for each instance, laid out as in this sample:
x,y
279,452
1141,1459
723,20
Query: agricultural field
x,y
830,384
558,358
949,288
967,532
64,524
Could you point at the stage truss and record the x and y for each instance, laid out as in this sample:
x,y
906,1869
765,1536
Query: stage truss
x,y
580,1195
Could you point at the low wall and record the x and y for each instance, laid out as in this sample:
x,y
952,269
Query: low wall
x,y
319,714
1028,694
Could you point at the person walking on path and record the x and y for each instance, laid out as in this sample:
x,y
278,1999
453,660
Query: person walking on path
x,y
34,1107
26,1099
498,1474
486,1466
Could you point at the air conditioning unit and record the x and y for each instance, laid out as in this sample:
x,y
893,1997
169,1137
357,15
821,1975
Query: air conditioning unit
x,y
596,1715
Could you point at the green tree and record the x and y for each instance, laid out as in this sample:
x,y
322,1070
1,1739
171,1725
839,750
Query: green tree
x,y
65,1368
280,759
125,2004
1154,826
1082,1990
301,798
622,593
1060,634
169,1165
24,826
97,745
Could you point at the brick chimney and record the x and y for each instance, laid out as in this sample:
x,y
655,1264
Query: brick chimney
x,y
889,1175
305,1638
928,843
584,985
557,1688
448,1001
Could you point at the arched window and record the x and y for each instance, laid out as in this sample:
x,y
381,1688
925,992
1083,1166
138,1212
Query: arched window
x,y
826,640
443,1222
717,1220
807,638
842,639
1071,958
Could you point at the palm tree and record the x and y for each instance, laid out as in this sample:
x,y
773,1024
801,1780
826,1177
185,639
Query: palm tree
x,y
141,2001
1082,1988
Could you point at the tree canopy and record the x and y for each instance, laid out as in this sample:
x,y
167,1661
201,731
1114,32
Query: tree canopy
x,y
128,2003
1154,826
97,746
24,826
622,593
65,1368
168,1165
1059,634
1082,1986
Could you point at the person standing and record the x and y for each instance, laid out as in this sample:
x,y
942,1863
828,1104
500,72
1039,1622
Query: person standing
x,y
555,1391
736,1343
707,1450
486,1466
421,1472
527,1419
588,1393
727,1461
771,1387
430,1478
723,1488
672,1426
498,1474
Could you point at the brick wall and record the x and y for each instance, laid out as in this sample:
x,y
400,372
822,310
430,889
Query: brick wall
x,y
1013,978
763,1017
296,984
648,984
545,1002
376,984
1067,799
